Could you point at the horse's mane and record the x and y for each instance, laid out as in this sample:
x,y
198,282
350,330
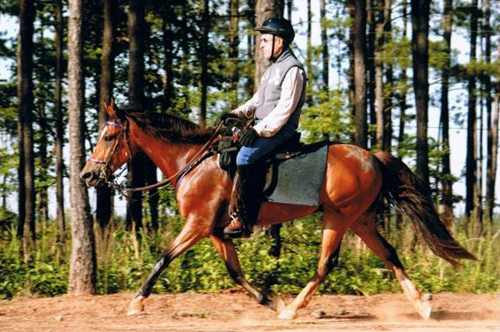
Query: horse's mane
x,y
170,127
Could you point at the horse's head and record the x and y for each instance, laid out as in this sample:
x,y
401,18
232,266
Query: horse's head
x,y
111,152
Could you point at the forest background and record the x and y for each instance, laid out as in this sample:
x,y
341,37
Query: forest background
x,y
197,59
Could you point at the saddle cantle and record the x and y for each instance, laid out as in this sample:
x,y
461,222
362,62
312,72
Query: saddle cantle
x,y
295,171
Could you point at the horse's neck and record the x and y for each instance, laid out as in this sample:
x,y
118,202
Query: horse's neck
x,y
169,157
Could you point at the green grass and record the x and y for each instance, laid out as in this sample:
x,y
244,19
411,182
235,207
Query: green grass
x,y
125,262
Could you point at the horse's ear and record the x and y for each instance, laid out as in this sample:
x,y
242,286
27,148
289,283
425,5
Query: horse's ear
x,y
111,109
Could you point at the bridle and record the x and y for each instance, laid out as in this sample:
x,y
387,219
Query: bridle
x,y
195,161
105,168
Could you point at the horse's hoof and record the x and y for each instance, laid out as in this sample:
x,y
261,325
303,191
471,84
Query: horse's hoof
x,y
136,306
287,314
278,304
424,308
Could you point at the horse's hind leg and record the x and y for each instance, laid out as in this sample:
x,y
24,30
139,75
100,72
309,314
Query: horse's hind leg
x,y
367,231
333,231
230,257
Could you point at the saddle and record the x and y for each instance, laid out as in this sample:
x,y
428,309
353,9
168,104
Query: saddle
x,y
292,165
227,148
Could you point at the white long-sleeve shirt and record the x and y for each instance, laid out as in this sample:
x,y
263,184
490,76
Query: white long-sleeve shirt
x,y
291,92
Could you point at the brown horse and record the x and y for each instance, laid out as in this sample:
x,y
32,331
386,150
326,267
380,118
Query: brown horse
x,y
354,182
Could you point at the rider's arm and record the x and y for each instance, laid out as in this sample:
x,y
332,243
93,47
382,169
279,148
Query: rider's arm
x,y
247,110
291,92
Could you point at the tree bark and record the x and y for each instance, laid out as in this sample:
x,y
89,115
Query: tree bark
x,y
472,192
420,53
234,42
493,155
43,177
204,62
82,275
58,109
104,208
402,91
446,182
324,49
351,85
357,9
370,65
309,56
137,171
289,8
168,80
264,9
389,78
492,143
26,171
136,31
379,72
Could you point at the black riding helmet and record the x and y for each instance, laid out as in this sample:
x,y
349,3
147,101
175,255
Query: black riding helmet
x,y
280,27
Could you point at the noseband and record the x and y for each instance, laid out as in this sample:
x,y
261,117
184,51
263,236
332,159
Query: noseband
x,y
105,163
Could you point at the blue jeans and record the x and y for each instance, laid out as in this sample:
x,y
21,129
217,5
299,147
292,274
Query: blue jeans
x,y
263,146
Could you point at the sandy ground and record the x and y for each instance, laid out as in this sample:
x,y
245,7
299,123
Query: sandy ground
x,y
235,311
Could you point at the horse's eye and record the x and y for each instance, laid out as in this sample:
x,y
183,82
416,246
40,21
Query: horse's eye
x,y
109,138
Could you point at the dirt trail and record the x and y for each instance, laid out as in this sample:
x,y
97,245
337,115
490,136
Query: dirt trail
x,y
229,311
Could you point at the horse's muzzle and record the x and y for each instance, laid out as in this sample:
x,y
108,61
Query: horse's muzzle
x,y
91,178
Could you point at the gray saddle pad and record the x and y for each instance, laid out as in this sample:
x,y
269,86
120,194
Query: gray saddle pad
x,y
298,180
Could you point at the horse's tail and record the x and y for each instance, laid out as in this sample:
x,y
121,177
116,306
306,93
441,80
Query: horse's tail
x,y
409,194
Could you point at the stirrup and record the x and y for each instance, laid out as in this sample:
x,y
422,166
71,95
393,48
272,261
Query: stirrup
x,y
236,229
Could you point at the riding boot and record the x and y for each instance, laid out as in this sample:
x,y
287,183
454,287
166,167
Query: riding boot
x,y
251,185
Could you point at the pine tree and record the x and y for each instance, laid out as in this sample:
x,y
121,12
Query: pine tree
x,y
82,275
420,11
25,125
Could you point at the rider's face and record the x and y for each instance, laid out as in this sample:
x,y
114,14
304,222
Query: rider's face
x,y
266,46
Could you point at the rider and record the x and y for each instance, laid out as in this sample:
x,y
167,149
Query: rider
x,y
276,108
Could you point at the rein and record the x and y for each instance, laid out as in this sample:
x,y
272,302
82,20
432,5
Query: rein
x,y
195,161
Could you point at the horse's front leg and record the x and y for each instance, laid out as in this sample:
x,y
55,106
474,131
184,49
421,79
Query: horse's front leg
x,y
229,255
188,237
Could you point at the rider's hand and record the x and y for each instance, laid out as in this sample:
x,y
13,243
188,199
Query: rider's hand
x,y
248,137
226,116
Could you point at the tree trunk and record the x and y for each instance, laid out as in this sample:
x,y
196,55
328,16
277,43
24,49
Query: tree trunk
x,y
104,207
492,155
43,176
137,171
153,197
234,42
446,182
136,32
379,72
370,65
471,206
25,127
58,109
351,85
168,80
251,39
357,9
420,53
309,56
402,91
389,79
82,275
492,143
264,9
324,49
289,9
204,62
